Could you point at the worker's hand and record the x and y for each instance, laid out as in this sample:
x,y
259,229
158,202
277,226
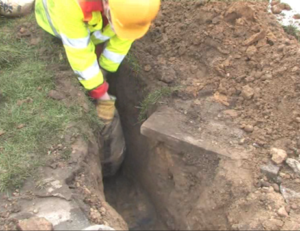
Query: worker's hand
x,y
106,108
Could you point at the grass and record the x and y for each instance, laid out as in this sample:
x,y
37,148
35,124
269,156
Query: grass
x,y
24,75
134,64
153,98
292,30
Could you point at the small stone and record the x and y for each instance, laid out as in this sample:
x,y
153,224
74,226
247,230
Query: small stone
x,y
276,187
247,92
168,75
21,126
35,223
294,206
60,146
35,211
248,128
288,208
147,68
56,95
295,69
2,132
278,155
276,9
294,164
275,2
251,51
272,224
297,119
282,212
242,141
102,211
232,113
270,170
296,16
22,30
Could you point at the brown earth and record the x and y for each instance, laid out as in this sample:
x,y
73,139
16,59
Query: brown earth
x,y
238,56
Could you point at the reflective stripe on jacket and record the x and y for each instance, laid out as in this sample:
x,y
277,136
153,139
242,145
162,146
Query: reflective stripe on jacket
x,y
65,19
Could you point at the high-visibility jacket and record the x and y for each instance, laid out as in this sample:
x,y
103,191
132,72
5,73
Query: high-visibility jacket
x,y
80,25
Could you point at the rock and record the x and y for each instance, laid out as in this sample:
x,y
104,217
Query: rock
x,y
248,128
282,212
247,92
294,164
147,68
35,223
168,75
278,155
294,206
276,9
2,132
275,2
270,170
285,6
288,208
295,69
251,51
56,95
95,215
291,225
276,187
35,41
272,224
102,211
255,38
288,193
21,126
232,113
296,16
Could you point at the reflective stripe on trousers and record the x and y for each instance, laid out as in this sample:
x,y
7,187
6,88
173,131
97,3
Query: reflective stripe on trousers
x,y
89,72
79,43
112,56
98,35
49,19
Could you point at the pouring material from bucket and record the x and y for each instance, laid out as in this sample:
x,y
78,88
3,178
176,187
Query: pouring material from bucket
x,y
16,8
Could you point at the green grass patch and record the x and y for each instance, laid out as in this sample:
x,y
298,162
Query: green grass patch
x,y
152,99
292,30
29,127
134,64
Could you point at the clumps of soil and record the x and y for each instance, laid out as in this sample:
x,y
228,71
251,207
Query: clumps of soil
x,y
238,55
238,51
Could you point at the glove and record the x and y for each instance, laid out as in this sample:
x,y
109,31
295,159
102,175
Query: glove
x,y
106,109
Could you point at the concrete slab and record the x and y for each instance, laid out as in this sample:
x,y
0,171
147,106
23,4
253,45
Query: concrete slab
x,y
171,127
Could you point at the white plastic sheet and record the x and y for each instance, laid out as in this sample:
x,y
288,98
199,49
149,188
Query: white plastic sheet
x,y
14,8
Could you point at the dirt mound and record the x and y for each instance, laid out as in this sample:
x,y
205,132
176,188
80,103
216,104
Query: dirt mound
x,y
239,56
236,53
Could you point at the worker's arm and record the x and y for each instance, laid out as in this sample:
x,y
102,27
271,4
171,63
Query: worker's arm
x,y
114,53
80,49
101,36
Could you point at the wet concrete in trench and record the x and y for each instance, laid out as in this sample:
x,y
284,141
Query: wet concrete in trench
x,y
128,198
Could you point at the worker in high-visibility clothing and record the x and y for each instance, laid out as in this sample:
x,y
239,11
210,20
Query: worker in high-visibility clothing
x,y
83,24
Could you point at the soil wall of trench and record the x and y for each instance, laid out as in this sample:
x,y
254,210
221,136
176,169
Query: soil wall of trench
x,y
189,189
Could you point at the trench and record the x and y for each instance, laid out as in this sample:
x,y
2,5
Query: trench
x,y
157,187
125,191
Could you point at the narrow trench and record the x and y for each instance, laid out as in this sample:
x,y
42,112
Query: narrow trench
x,y
124,191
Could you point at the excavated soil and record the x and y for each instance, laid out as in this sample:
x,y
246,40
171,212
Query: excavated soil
x,y
238,56
236,53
